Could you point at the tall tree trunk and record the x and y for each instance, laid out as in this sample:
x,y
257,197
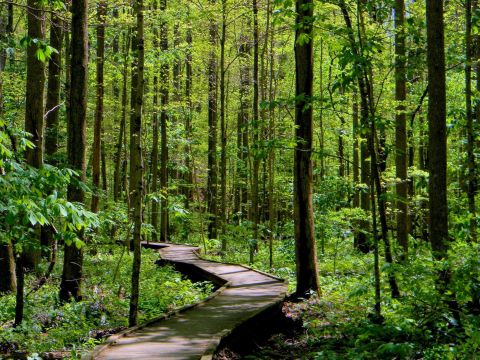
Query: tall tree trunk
x,y
52,112
437,146
136,160
154,216
356,162
437,149
97,132
471,166
70,286
155,126
305,245
401,129
242,129
188,118
7,260
322,128
223,129
271,156
256,135
117,174
212,132
53,90
365,200
34,107
164,88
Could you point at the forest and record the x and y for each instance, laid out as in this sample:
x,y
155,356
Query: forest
x,y
326,150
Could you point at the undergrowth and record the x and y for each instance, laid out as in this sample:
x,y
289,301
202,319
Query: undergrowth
x,y
75,327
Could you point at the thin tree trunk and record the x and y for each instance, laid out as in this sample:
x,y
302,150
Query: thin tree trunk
x,y
365,201
97,132
305,245
271,157
164,88
401,129
223,130
7,260
154,215
356,162
212,132
117,177
322,128
70,286
256,136
471,166
242,129
188,118
53,90
136,160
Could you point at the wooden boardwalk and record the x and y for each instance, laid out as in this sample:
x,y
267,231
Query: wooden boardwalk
x,y
195,332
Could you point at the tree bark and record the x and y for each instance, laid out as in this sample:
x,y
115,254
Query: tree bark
x,y
53,90
365,201
471,166
97,131
212,132
34,109
164,89
117,174
7,260
437,112
188,118
223,129
272,212
255,136
155,126
401,129
70,286
7,269
136,160
242,130
305,244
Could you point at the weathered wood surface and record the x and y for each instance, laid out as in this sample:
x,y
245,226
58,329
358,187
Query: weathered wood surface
x,y
196,332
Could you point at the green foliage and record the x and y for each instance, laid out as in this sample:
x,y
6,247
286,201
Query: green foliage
x,y
32,196
52,326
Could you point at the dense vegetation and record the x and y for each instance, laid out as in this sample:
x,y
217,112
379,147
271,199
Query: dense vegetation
x,y
330,142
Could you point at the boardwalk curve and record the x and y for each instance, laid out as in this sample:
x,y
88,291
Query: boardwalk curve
x,y
195,331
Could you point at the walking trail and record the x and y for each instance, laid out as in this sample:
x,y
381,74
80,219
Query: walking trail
x,y
196,331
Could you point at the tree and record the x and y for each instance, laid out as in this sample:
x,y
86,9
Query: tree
x,y
471,166
305,244
212,131
34,109
136,160
54,87
256,134
401,128
164,90
437,130
70,287
155,125
7,260
97,136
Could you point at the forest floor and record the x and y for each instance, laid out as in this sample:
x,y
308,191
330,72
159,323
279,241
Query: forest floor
x,y
339,323
69,329
246,296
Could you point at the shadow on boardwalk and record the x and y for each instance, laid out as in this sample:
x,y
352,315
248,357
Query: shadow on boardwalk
x,y
195,331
